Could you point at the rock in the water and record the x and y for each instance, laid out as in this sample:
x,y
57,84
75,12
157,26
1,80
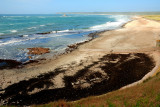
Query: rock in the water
x,y
4,63
44,33
38,51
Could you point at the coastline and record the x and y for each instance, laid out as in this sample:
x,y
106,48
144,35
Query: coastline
x,y
91,51
45,36
45,53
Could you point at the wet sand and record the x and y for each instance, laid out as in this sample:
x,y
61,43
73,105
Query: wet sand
x,y
113,60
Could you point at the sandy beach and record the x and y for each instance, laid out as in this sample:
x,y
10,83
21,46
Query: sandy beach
x,y
89,66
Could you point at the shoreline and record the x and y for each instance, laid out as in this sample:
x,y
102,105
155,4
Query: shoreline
x,y
53,45
91,51
6,63
65,51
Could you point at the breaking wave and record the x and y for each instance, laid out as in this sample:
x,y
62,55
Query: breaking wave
x,y
13,31
120,20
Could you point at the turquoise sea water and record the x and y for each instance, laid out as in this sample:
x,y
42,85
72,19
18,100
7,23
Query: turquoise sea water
x,y
19,32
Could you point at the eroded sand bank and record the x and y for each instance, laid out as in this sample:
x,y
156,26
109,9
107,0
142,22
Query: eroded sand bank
x,y
135,43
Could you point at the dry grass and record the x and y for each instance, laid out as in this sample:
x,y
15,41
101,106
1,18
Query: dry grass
x,y
146,94
152,17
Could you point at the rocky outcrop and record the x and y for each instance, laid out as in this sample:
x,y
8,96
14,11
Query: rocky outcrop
x,y
38,51
44,33
4,63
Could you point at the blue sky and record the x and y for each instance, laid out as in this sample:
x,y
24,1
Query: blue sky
x,y
53,6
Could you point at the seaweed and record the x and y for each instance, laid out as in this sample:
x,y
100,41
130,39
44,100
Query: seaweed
x,y
121,73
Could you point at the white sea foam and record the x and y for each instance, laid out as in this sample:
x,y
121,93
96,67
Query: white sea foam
x,y
65,16
108,25
13,31
25,35
13,16
62,31
42,25
28,16
50,23
14,41
1,33
10,42
32,28
120,20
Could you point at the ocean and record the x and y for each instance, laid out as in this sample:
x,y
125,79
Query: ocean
x,y
19,32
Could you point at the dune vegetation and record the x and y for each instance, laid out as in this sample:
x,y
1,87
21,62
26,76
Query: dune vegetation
x,y
152,17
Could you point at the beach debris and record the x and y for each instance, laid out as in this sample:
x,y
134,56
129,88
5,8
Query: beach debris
x,y
38,51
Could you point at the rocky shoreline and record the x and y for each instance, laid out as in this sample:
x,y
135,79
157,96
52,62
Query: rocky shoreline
x,y
10,64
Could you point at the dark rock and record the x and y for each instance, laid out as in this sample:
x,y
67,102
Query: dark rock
x,y
44,33
9,63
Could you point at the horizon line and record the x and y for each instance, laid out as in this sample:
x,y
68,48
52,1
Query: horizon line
x,y
87,12
74,12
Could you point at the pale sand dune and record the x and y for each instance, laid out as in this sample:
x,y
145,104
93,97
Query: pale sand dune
x,y
139,35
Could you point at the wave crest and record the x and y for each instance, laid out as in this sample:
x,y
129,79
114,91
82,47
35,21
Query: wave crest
x,y
13,31
119,21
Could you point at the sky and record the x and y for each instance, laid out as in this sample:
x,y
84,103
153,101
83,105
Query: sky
x,y
54,6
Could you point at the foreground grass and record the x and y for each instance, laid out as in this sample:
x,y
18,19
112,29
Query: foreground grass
x,y
152,17
146,94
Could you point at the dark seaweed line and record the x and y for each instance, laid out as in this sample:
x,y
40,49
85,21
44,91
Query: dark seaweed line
x,y
120,76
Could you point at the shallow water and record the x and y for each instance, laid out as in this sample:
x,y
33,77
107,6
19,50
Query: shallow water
x,y
19,32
